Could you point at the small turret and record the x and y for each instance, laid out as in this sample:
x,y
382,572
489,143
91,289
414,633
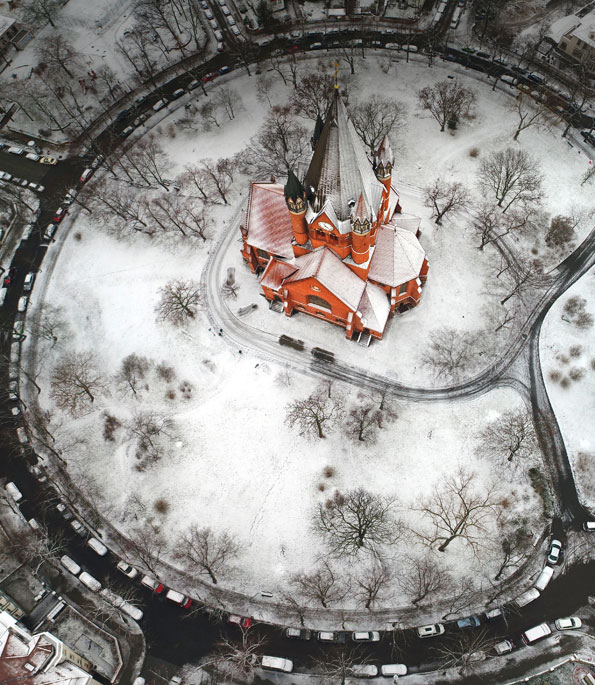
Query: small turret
x,y
295,197
360,231
384,161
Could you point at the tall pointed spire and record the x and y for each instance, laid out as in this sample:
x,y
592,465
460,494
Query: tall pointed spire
x,y
317,131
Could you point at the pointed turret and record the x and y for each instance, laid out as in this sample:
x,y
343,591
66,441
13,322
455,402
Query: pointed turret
x,y
360,230
295,197
384,160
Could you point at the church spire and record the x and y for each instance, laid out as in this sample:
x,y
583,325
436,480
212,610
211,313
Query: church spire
x,y
295,197
318,126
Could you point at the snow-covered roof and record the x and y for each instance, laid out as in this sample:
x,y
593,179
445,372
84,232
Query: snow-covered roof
x,y
324,265
275,272
409,222
5,24
586,30
563,26
398,257
340,170
374,307
269,222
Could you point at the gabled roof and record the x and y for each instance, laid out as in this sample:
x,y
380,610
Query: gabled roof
x,y
340,170
374,308
324,265
398,257
269,222
275,272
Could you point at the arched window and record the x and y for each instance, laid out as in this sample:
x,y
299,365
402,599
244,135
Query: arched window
x,y
319,302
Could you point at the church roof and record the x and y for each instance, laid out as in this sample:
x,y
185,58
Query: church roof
x,y
268,221
340,170
398,257
293,188
275,272
324,265
374,308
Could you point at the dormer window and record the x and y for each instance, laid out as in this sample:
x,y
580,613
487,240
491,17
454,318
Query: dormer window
x,y
351,203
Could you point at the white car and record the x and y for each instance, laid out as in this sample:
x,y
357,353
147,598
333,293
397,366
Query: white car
x,y
13,491
28,284
36,187
78,528
32,156
127,569
569,623
431,630
97,546
554,554
369,636
160,104
22,304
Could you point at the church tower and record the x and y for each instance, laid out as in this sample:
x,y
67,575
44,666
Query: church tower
x,y
360,231
383,168
295,197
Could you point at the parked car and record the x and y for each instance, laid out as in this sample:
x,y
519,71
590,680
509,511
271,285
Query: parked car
x,y
527,597
22,303
535,78
369,636
208,77
570,623
234,29
298,633
224,70
49,232
536,633
127,569
152,584
431,630
589,526
364,670
36,187
97,162
544,578
277,663
29,280
14,150
70,565
59,215
86,175
328,636
140,119
13,491
64,511
242,621
226,11
97,546
553,555
88,580
393,670
178,93
469,622
48,160
589,137
503,647
124,133
193,84
493,614
179,598
160,104
9,278
78,528
5,176
32,156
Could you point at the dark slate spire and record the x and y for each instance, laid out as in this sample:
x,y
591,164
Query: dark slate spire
x,y
317,131
294,190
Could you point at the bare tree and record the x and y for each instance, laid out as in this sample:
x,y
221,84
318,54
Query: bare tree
x,y
423,577
459,508
238,654
511,175
510,436
338,666
50,324
464,649
178,302
148,429
363,422
147,547
512,544
445,198
37,12
76,381
324,584
313,94
447,101
58,53
37,548
207,552
280,145
357,520
375,118
372,583
132,373
316,414
522,277
451,353
531,113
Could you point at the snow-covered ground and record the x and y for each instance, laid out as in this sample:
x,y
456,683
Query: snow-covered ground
x,y
232,463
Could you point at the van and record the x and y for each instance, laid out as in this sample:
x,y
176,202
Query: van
x,y
97,546
13,491
364,670
544,578
277,663
536,633
393,670
530,596
88,580
70,565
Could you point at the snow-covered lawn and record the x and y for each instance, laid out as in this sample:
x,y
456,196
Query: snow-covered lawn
x,y
232,464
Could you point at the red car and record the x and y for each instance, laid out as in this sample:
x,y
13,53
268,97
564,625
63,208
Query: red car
x,y
208,77
59,215
9,278
241,621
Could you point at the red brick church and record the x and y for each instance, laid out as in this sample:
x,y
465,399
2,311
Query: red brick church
x,y
337,246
